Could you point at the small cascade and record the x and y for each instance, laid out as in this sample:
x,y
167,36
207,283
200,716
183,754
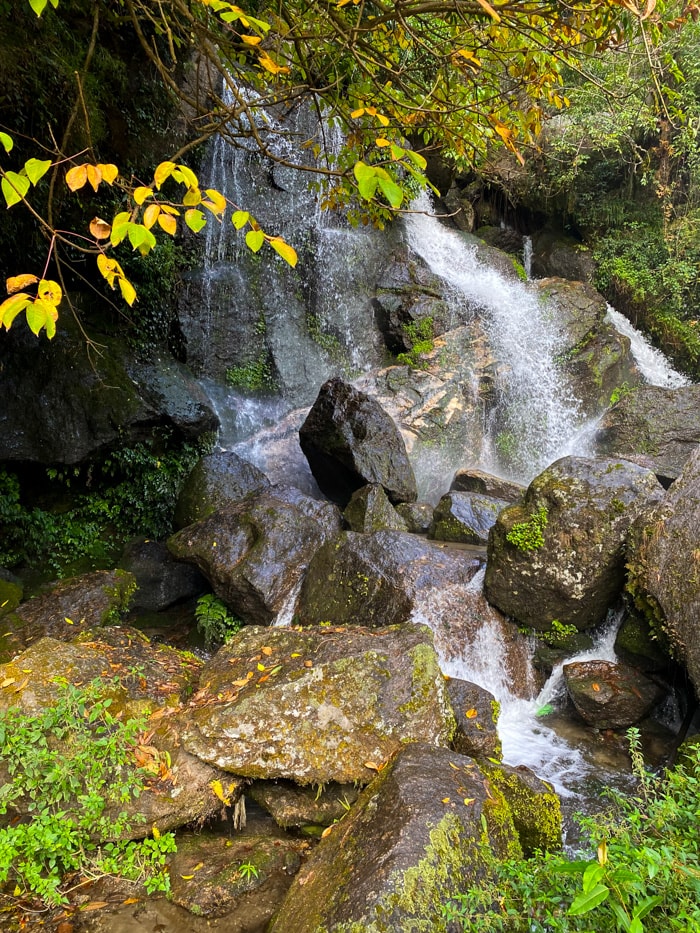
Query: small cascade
x,y
653,365
536,412
527,256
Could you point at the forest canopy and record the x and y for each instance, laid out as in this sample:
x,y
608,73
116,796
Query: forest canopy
x,y
399,78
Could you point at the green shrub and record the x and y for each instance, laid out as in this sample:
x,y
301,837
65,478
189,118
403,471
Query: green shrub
x,y
70,768
420,336
643,876
215,621
529,535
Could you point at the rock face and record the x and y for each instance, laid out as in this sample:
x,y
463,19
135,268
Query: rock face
x,y
476,713
217,480
256,551
410,843
486,485
101,402
318,705
654,427
595,357
292,805
559,553
161,581
610,695
465,517
349,441
369,509
663,561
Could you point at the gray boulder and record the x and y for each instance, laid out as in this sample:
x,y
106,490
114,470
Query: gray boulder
x,y
161,580
465,517
655,427
255,552
559,553
320,704
486,485
476,713
663,569
217,480
349,441
369,509
610,695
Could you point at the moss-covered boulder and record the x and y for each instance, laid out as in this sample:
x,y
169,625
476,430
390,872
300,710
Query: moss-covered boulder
x,y
350,441
595,357
663,562
533,803
655,427
610,695
465,517
559,554
63,609
417,516
216,480
255,552
369,509
318,705
418,835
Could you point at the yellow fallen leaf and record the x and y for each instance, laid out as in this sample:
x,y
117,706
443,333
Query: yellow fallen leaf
x,y
373,766
471,714
468,800
8,681
326,832
445,799
595,687
266,650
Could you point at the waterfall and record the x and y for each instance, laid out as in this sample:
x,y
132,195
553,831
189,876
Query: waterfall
x,y
536,413
527,256
652,363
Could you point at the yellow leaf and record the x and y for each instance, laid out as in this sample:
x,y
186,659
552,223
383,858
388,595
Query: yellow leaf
x,y
357,113
266,650
603,853
218,789
261,667
187,877
271,65
17,282
380,141
156,832
283,249
167,223
50,291
12,306
128,291
471,714
251,40
150,215
76,177
595,687
100,229
193,196
218,201
109,172
163,172
8,682
94,176
468,800
141,193
382,119
373,766
326,832
445,799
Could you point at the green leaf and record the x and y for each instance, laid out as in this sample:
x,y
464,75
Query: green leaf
x,y
38,6
120,228
7,141
239,219
416,158
588,900
366,180
141,238
391,191
36,169
14,187
254,239
195,219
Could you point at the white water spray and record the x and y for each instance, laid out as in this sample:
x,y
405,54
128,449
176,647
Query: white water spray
x,y
652,363
537,412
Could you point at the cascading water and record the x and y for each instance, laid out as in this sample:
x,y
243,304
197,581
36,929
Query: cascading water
x,y
652,363
537,413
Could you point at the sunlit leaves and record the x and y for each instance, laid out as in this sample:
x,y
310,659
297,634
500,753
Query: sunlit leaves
x,y
195,220
40,309
373,178
100,229
283,249
40,5
269,64
254,240
6,141
14,187
113,273
94,174
239,219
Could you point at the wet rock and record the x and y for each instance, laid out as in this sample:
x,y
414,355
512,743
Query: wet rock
x,y
63,609
104,400
255,552
389,577
654,427
533,803
558,555
554,254
161,580
486,485
635,644
417,516
349,441
217,480
595,356
662,561
476,713
292,805
369,509
610,695
465,517
411,842
318,705
250,872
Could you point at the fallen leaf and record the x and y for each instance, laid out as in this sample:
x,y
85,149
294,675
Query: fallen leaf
x,y
471,714
308,663
595,687
95,905
445,799
266,650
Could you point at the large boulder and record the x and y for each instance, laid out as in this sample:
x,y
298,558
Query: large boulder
x,y
476,714
663,561
318,705
255,552
349,441
369,509
595,356
217,480
419,835
465,517
610,695
161,581
468,480
655,427
100,400
389,577
558,554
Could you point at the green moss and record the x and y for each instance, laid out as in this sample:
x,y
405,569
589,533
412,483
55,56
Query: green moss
x,y
426,674
529,535
536,814
120,594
